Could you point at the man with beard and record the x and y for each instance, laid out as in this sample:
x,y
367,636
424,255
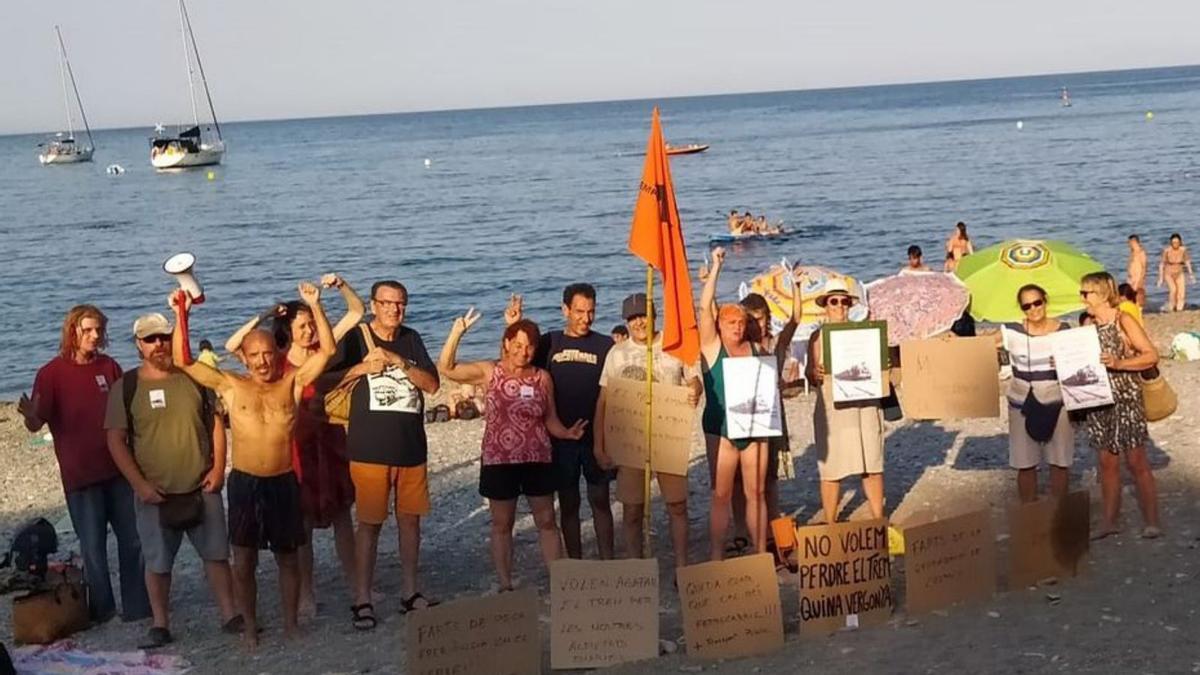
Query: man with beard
x,y
168,440
264,497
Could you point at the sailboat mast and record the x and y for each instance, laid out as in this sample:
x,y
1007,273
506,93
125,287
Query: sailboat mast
x,y
71,73
200,66
187,61
62,73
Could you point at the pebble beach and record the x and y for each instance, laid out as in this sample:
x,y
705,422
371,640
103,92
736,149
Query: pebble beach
x,y
1132,608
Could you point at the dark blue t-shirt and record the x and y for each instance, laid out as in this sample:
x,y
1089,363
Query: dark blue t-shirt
x,y
575,364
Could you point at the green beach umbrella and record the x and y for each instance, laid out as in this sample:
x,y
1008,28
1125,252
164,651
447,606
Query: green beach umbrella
x,y
996,273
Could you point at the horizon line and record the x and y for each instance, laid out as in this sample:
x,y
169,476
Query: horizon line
x,y
519,106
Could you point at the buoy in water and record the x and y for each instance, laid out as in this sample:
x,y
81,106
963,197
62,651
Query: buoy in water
x,y
428,162
1020,125
212,175
1149,115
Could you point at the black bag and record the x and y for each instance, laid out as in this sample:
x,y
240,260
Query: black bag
x,y
1040,418
31,547
182,511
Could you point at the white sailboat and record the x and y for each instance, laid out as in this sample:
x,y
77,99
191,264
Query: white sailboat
x,y
190,146
63,148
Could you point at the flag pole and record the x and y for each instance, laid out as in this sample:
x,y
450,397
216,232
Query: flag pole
x,y
649,410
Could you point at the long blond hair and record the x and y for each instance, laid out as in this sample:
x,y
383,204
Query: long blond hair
x,y
69,342
1103,284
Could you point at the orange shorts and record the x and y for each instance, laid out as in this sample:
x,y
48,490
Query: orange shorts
x,y
373,485
630,489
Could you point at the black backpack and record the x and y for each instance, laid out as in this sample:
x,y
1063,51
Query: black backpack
x,y
31,547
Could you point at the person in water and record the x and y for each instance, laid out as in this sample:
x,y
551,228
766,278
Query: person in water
x,y
958,246
1136,270
915,262
1175,260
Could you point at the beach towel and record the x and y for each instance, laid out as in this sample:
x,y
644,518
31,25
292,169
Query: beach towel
x,y
65,658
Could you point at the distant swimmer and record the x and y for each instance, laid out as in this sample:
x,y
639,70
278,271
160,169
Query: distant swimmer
x,y
915,262
958,246
114,170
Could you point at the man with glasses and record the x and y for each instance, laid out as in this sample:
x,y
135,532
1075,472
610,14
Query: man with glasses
x,y
168,440
386,441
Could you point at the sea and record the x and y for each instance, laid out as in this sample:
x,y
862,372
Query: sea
x,y
466,207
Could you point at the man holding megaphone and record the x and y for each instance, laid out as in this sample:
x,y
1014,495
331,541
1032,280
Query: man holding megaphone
x,y
264,496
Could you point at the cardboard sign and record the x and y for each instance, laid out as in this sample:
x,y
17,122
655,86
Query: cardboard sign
x,y
625,425
1048,538
752,404
949,561
496,635
1081,375
950,379
731,608
603,612
845,576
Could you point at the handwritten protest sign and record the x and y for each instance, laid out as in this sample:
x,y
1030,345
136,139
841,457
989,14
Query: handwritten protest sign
x,y
494,635
731,608
950,379
949,561
625,425
1048,538
603,612
845,576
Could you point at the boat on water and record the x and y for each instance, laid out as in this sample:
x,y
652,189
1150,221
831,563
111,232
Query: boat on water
x,y
63,148
685,149
729,237
196,144
1065,97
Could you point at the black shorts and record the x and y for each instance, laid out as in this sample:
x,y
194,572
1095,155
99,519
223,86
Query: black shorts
x,y
509,481
264,513
575,458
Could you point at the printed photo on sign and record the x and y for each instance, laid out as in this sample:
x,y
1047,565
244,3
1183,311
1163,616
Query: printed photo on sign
x,y
392,391
855,364
1083,378
752,407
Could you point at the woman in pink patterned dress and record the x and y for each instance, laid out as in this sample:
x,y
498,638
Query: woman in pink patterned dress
x,y
519,420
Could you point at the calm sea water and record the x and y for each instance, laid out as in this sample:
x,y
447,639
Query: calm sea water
x,y
529,199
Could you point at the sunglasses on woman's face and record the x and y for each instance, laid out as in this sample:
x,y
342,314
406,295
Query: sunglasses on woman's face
x,y
840,302
1083,293
1026,306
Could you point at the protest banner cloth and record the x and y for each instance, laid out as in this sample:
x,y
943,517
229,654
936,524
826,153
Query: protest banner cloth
x,y
954,378
949,561
855,357
672,422
1048,538
731,607
492,635
603,612
1081,375
752,405
845,576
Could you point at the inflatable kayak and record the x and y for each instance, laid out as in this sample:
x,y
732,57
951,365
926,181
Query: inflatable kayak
x,y
729,238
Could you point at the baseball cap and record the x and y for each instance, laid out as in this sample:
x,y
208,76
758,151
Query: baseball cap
x,y
634,305
151,324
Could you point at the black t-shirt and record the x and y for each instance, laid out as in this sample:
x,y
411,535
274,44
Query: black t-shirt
x,y
575,364
387,411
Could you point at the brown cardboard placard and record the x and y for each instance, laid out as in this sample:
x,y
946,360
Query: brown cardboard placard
x,y
845,576
949,561
950,379
731,607
492,635
674,419
603,612
1047,538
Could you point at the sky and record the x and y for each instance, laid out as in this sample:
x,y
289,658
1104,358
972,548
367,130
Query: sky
x,y
274,59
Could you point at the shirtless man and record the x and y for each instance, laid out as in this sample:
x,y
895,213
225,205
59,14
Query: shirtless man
x,y
264,497
1136,272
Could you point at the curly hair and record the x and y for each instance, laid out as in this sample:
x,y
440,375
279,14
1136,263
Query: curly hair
x,y
69,343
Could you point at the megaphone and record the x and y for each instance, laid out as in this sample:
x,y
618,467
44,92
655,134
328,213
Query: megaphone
x,y
180,266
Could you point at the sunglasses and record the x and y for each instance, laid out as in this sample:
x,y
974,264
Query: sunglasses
x,y
840,302
1084,293
1026,306
398,304
156,338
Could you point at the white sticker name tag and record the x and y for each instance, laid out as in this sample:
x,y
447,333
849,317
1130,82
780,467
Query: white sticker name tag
x,y
526,391
158,398
102,383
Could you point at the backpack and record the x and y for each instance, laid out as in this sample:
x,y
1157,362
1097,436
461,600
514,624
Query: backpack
x,y
31,547
207,406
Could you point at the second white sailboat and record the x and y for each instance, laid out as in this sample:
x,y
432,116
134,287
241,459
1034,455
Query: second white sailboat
x,y
191,146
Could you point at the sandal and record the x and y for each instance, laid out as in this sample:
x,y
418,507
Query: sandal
x,y
156,637
410,605
364,616
234,626
739,546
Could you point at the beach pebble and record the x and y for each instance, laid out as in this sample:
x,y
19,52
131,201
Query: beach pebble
x,y
994,615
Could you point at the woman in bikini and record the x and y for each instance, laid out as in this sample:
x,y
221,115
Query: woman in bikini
x,y
958,246
1175,261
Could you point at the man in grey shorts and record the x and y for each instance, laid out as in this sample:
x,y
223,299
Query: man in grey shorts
x,y
168,439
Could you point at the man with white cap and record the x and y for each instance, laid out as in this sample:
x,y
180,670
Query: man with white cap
x,y
168,440
627,360
848,436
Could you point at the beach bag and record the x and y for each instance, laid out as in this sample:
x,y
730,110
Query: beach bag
x,y
337,401
1040,418
52,613
31,547
181,511
1157,396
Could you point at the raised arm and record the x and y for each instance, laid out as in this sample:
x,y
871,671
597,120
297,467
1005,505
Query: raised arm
x,y
354,305
207,376
553,424
315,365
234,343
476,372
708,298
783,344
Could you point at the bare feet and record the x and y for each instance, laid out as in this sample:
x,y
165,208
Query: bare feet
x,y
308,608
1105,531
250,640
1151,532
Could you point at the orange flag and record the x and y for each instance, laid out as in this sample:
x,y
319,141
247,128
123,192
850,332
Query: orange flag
x,y
657,238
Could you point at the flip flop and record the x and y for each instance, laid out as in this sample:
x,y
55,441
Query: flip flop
x,y
738,547
1151,532
364,616
410,605
156,637
234,626
1104,534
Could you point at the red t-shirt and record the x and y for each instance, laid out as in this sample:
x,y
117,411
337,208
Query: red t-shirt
x,y
72,398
